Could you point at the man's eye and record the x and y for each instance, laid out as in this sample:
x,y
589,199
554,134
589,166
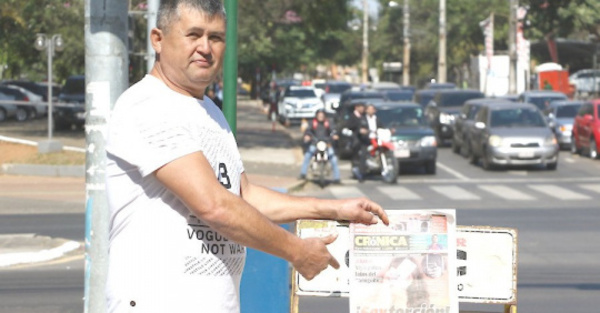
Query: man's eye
x,y
216,38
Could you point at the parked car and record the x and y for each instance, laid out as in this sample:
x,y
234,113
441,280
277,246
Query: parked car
x,y
398,94
465,121
586,129
298,102
440,86
333,92
442,110
7,108
37,108
70,111
560,116
541,98
12,94
423,96
414,140
508,134
587,80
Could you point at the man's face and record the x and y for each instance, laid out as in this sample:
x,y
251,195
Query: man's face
x,y
321,116
191,50
371,110
360,109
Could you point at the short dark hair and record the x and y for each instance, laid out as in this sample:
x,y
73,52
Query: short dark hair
x,y
168,11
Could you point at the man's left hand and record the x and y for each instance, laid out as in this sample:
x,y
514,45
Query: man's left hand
x,y
362,210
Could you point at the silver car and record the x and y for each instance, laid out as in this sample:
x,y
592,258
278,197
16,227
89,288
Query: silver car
x,y
508,134
560,116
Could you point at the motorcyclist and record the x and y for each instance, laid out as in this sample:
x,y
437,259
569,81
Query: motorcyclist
x,y
359,126
320,130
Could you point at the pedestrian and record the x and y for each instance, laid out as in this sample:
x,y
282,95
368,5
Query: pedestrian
x,y
182,209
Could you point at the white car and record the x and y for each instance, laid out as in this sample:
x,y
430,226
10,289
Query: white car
x,y
298,102
37,108
584,80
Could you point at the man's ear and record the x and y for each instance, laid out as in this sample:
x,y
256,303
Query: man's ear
x,y
156,38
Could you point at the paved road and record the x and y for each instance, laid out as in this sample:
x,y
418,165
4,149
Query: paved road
x,y
556,213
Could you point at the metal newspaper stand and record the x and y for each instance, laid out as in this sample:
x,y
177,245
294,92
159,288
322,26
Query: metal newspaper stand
x,y
486,265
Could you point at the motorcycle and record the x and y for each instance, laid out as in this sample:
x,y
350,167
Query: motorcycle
x,y
380,156
319,163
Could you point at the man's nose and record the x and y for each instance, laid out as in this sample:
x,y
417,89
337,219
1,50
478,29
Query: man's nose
x,y
203,46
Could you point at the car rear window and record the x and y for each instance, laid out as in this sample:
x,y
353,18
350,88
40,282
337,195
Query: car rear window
x,y
567,111
337,88
74,86
543,102
300,93
456,99
401,117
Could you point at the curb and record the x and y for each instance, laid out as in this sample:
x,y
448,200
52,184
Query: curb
x,y
43,170
20,248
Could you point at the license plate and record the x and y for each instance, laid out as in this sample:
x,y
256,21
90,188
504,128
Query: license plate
x,y
526,154
402,153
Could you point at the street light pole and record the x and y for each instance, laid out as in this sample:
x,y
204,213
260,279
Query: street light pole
x,y
365,51
442,43
512,47
406,31
51,45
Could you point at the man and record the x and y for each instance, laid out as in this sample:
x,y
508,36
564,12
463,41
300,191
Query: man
x,y
358,124
320,130
182,209
372,121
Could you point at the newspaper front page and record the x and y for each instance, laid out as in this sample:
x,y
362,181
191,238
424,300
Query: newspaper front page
x,y
406,267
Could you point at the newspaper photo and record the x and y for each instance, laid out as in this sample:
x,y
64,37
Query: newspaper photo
x,y
408,266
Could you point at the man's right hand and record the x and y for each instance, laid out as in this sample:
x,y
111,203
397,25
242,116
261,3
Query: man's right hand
x,y
313,257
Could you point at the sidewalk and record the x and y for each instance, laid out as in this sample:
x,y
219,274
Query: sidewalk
x,y
271,156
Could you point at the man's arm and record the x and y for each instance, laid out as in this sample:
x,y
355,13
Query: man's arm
x,y
283,208
193,181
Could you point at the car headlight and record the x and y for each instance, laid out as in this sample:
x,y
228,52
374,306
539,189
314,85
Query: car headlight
x,y
495,141
446,118
428,141
335,105
550,141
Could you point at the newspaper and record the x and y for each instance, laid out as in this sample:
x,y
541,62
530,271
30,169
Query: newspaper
x,y
408,266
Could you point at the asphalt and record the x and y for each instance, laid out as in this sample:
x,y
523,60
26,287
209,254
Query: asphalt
x,y
271,154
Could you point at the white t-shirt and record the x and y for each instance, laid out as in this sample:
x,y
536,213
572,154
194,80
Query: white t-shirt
x,y
162,258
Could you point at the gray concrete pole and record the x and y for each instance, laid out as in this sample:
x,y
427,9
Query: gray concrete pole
x,y
442,43
106,76
512,47
365,50
152,14
406,31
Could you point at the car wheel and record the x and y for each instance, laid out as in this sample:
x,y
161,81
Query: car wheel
x,y
552,166
2,115
574,149
21,114
593,149
486,162
455,147
473,158
61,125
465,150
32,113
430,167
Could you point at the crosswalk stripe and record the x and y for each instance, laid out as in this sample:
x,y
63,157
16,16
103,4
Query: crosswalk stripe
x,y
592,187
558,192
343,192
398,193
506,192
455,192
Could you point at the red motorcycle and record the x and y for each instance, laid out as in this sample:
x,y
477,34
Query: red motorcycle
x,y
380,158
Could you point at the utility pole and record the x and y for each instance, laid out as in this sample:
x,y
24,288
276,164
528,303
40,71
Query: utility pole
x,y
406,31
152,15
106,70
512,47
365,51
442,44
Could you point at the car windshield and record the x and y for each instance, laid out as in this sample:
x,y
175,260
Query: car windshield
x,y
301,93
399,95
401,117
74,86
337,88
543,102
456,99
567,111
519,117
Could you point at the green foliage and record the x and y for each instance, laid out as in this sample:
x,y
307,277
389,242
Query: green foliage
x,y
22,20
563,18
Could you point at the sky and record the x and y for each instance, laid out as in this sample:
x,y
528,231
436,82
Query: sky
x,y
373,6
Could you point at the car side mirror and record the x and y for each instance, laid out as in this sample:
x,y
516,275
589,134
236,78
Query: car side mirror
x,y
480,125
